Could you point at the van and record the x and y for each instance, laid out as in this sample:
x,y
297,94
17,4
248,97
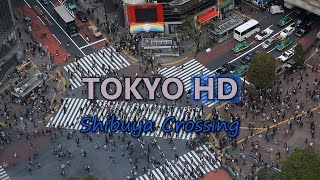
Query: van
x,y
276,9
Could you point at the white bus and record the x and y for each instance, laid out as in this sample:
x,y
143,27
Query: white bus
x,y
246,30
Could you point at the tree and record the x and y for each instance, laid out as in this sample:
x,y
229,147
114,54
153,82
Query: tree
x,y
262,71
298,56
189,28
301,164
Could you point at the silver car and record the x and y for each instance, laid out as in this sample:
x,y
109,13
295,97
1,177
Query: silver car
x,y
268,42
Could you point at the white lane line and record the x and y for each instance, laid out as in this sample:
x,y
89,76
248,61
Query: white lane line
x,y
41,20
52,4
289,13
84,39
27,3
93,43
56,38
61,28
255,46
271,50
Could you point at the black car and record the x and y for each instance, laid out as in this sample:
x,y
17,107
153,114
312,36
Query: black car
x,y
246,59
27,21
45,2
81,16
303,30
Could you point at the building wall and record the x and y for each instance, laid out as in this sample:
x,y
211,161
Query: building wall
x,y
7,21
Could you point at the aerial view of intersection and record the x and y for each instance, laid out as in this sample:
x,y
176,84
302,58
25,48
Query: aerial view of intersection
x,y
159,90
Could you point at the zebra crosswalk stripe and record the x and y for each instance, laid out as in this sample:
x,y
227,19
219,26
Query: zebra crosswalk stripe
x,y
190,68
185,165
101,58
73,109
3,174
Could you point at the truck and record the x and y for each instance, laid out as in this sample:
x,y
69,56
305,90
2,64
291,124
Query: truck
x,y
67,21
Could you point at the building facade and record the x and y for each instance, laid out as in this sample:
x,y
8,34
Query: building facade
x,y
7,25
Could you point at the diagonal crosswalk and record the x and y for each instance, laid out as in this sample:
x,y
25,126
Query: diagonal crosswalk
x,y
3,174
185,72
94,65
191,165
73,109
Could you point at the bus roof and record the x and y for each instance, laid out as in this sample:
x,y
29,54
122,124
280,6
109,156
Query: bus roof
x,y
246,25
65,15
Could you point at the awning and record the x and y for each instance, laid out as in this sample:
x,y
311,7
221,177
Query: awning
x,y
146,27
207,15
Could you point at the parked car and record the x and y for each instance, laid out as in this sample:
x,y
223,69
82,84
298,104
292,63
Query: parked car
x,y
286,32
70,4
240,47
27,21
303,30
263,34
95,31
276,9
284,21
240,70
45,2
286,55
246,59
283,44
268,42
81,16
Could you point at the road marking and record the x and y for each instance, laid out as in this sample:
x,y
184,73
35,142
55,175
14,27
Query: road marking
x,y
27,3
245,81
56,38
38,9
52,4
61,28
289,14
275,125
41,20
84,39
93,43
271,50
46,18
315,52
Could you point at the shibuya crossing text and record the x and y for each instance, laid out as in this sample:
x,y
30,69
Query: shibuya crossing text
x,y
169,125
215,87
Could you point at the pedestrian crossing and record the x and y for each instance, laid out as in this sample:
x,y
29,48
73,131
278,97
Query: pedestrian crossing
x,y
186,71
191,165
3,174
73,109
94,65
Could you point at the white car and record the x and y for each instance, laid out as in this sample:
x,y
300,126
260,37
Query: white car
x,y
267,43
286,32
263,34
286,55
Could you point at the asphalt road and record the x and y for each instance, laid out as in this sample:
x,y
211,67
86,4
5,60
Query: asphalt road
x,y
221,54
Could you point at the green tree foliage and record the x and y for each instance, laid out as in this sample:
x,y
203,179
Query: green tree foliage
x,y
302,164
298,56
262,71
189,28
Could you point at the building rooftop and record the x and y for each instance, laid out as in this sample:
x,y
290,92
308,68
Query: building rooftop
x,y
309,5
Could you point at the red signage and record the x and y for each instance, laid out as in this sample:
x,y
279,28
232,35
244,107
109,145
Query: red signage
x,y
133,9
207,15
